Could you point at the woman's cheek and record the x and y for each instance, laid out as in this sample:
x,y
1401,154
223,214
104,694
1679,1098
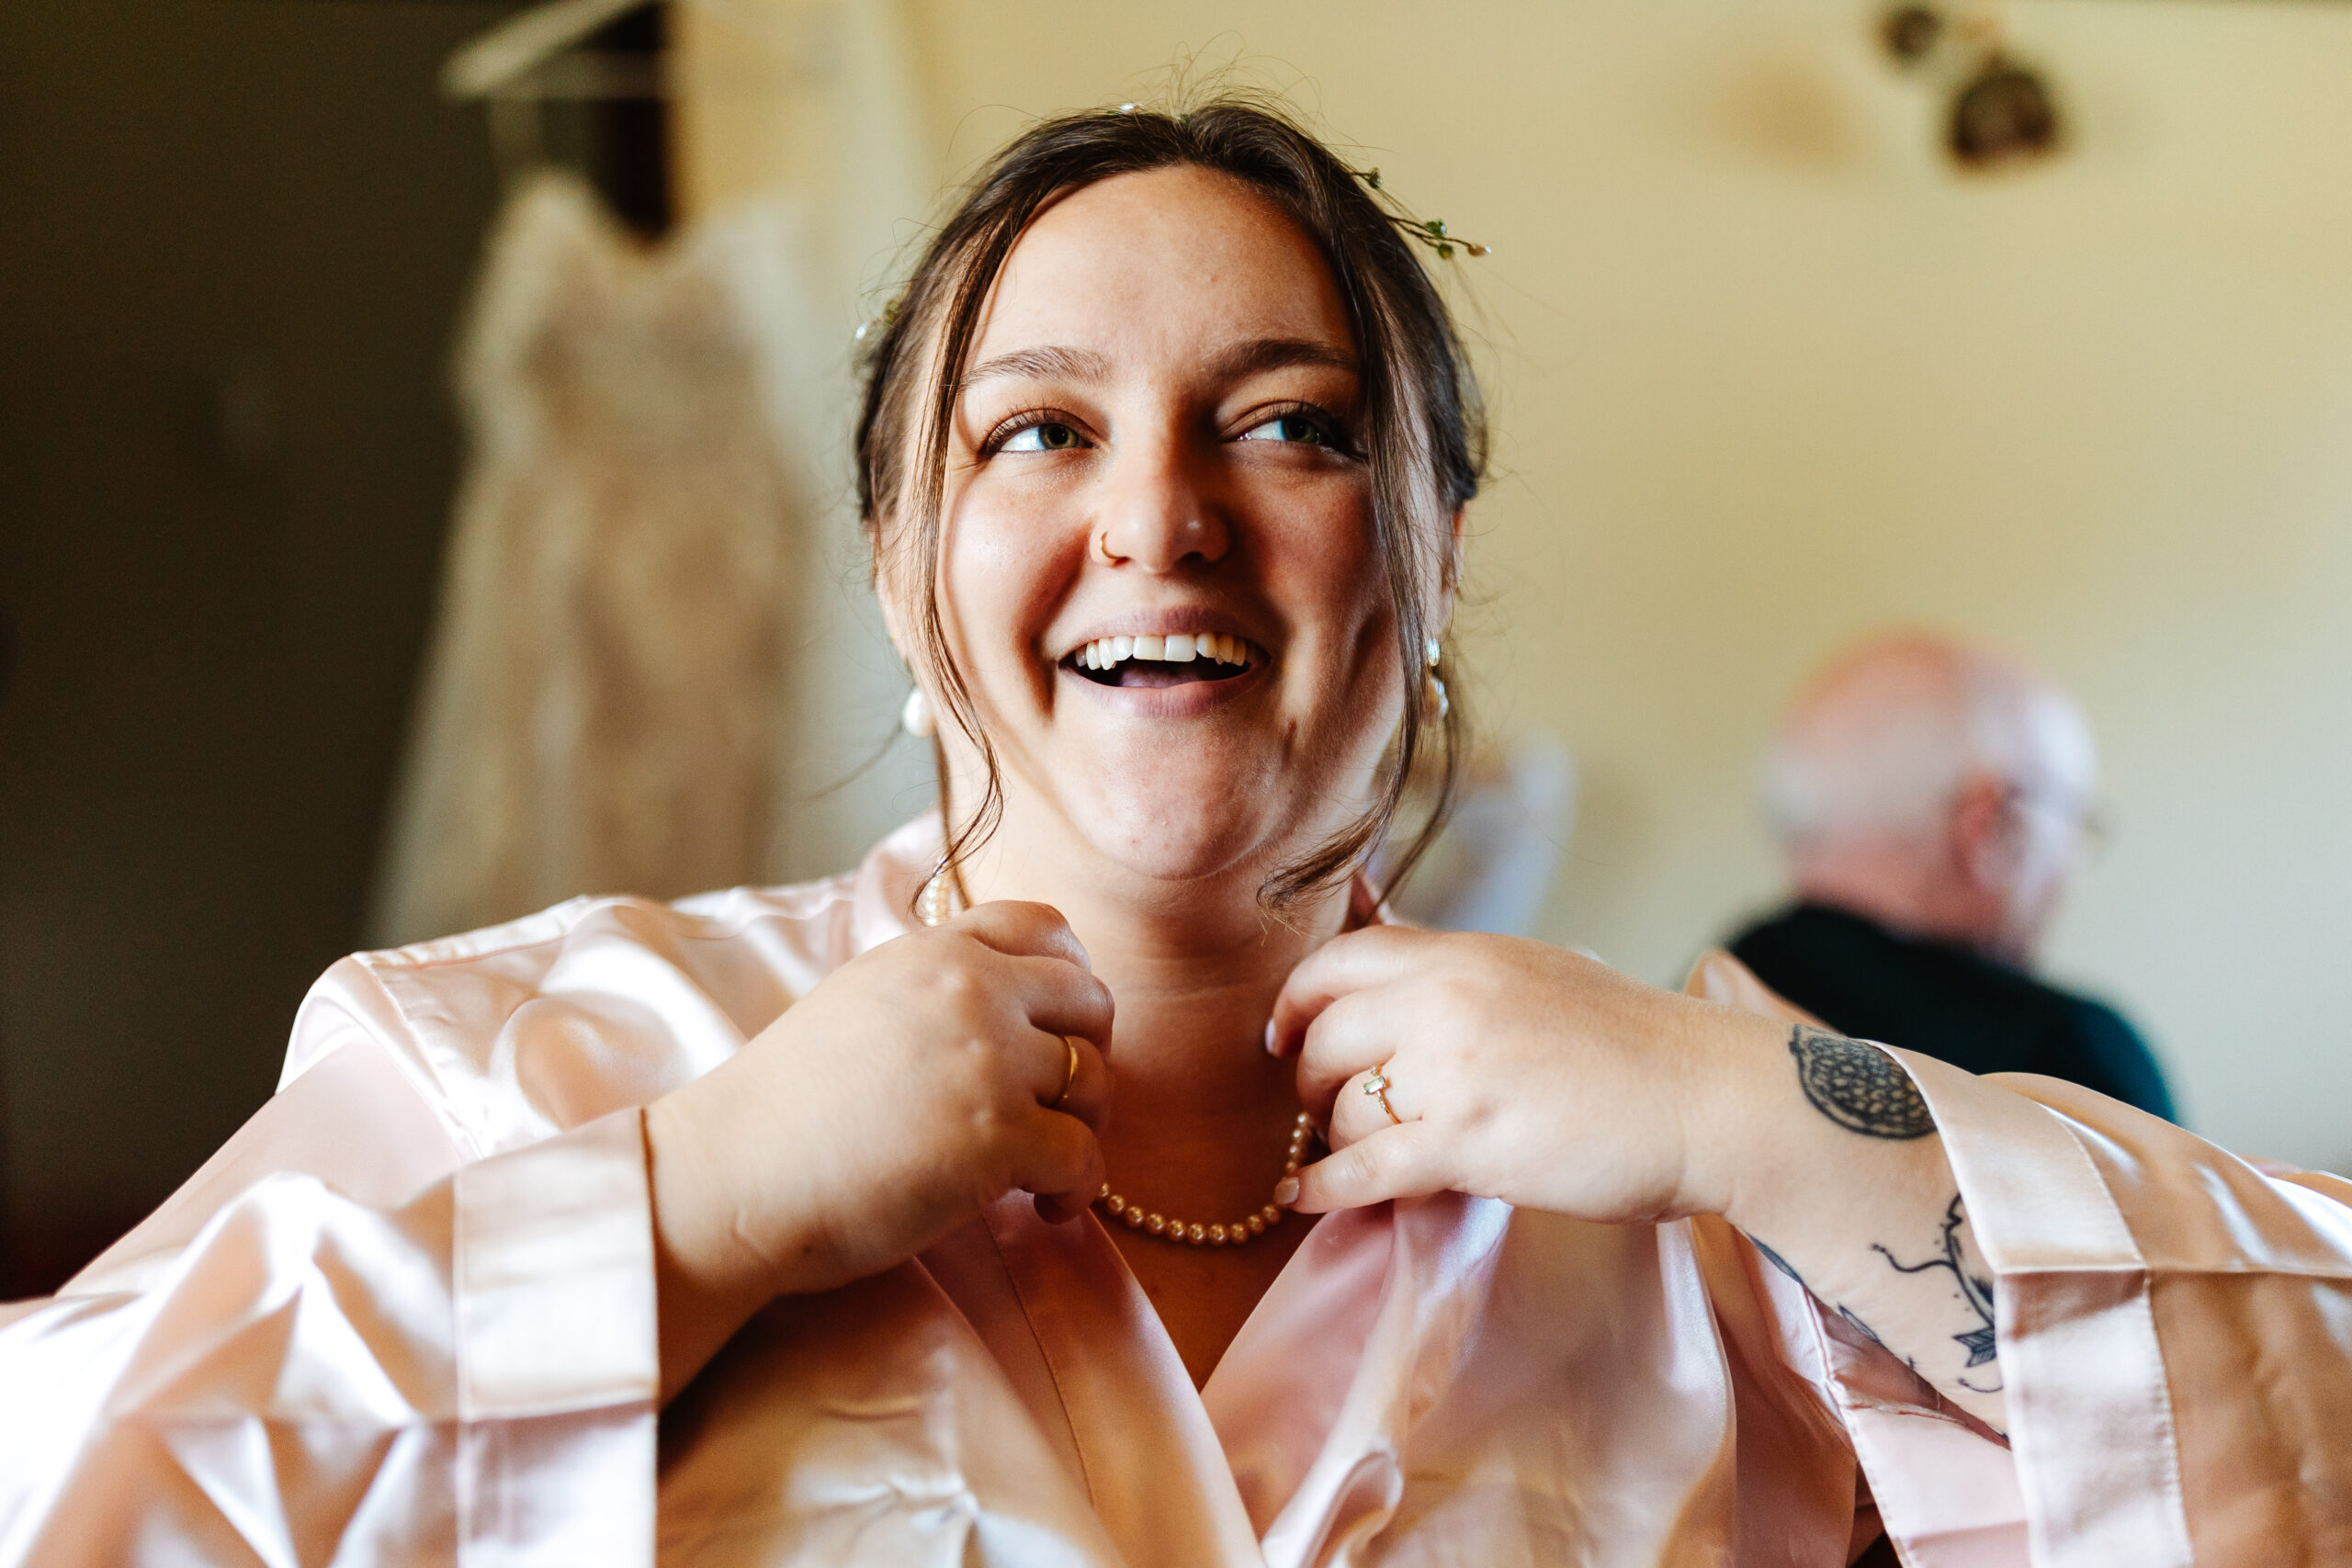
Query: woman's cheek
x,y
1001,571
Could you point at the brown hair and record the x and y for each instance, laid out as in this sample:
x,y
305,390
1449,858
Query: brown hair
x,y
1425,438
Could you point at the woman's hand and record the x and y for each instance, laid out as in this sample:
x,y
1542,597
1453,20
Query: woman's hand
x,y
1519,1071
1525,1072
915,1085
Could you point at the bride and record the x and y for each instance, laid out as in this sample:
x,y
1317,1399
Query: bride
x,y
1095,1176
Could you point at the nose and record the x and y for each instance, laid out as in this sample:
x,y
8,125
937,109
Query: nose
x,y
1154,514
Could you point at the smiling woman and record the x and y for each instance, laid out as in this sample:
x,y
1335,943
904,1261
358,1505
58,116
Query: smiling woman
x,y
1296,359
795,1225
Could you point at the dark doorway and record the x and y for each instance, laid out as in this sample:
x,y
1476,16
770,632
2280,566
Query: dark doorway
x,y
238,236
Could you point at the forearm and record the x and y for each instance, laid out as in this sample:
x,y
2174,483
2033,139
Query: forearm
x,y
1842,1179
707,1278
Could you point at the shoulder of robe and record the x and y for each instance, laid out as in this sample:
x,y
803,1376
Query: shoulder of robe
x,y
516,1032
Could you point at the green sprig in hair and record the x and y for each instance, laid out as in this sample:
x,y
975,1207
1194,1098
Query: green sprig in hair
x,y
1430,232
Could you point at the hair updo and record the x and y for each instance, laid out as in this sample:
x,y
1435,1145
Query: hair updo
x,y
1425,438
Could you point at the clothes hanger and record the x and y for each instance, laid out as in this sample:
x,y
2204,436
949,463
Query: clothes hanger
x,y
509,60
534,53
545,61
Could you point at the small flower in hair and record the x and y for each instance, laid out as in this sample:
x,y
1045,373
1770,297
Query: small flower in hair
x,y
1432,233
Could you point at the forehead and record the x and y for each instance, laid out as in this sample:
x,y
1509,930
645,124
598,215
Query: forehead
x,y
1170,264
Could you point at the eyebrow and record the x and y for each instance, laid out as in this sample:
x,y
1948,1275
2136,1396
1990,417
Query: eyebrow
x,y
1279,354
1254,357
1041,364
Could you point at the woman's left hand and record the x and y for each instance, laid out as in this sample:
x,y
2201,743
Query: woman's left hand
x,y
1516,1070
1527,1073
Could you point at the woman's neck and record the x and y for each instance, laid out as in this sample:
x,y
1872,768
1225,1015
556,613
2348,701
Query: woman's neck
x,y
1200,1114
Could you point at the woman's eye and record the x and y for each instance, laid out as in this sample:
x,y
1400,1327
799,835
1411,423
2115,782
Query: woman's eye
x,y
1049,436
1295,427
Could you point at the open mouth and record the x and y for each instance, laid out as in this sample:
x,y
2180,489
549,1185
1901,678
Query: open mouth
x,y
1173,660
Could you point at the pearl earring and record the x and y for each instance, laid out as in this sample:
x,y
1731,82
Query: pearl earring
x,y
1435,703
915,718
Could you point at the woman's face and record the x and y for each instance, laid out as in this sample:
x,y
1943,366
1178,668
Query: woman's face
x,y
1158,449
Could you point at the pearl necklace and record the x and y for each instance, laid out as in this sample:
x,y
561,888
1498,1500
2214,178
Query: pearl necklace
x,y
934,904
1153,1223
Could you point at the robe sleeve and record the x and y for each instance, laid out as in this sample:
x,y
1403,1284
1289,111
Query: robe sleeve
x,y
344,1339
2174,1329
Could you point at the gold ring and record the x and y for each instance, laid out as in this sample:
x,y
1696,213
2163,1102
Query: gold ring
x,y
1377,1087
1070,1077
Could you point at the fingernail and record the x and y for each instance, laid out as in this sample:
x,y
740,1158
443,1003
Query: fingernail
x,y
1286,1190
1270,1038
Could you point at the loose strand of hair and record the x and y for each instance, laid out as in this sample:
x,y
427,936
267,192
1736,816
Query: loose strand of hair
x,y
992,243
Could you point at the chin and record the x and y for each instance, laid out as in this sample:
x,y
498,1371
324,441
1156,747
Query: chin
x,y
1175,846
1185,835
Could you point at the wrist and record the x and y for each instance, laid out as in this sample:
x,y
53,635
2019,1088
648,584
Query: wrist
x,y
1731,1099
697,1221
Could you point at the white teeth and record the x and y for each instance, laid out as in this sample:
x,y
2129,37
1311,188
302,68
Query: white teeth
x,y
1108,652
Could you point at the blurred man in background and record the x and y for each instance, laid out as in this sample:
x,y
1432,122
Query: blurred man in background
x,y
1934,803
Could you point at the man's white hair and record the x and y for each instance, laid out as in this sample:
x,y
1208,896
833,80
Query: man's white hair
x,y
1880,742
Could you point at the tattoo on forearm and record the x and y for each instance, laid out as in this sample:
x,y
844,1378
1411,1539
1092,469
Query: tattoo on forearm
x,y
1976,1291
1859,1087
1865,1090
1777,1262
1867,1332
1785,1267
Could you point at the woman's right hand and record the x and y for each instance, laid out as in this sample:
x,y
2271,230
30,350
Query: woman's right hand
x,y
913,1086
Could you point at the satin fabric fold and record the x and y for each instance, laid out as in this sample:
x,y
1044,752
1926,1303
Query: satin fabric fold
x,y
406,1315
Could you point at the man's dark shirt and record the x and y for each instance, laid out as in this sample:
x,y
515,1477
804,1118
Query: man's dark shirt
x,y
1947,1002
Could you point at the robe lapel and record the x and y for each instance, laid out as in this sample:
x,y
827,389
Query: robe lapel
x,y
868,1425
1447,1381
1317,1397
1154,1469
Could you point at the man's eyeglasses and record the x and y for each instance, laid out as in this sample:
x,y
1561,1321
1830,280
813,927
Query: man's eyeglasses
x,y
2091,820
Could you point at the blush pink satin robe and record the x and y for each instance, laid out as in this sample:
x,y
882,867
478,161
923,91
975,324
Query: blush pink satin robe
x,y
407,1316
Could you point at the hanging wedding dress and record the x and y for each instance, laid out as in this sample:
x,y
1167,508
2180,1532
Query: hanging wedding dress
x,y
607,684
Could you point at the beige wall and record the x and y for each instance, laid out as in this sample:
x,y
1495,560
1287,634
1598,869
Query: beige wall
x,y
1767,374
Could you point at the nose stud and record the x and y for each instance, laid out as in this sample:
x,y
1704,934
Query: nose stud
x,y
1191,531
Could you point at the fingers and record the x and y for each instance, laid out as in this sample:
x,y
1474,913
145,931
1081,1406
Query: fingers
x,y
1088,1098
1395,1162
1339,967
1057,996
1039,964
1023,930
1356,1115
1350,1037
1061,1163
